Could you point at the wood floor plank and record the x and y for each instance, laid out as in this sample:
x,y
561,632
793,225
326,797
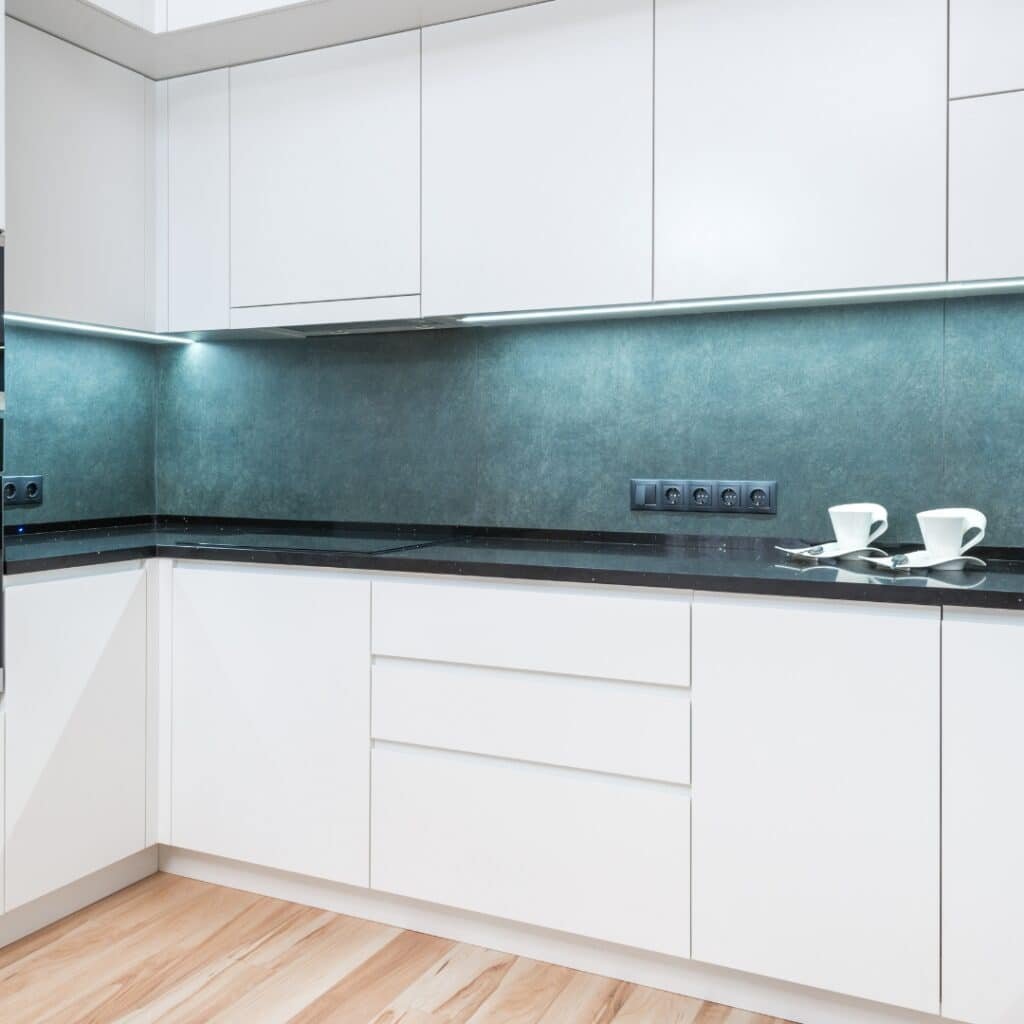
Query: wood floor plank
x,y
452,990
164,974
206,993
651,1006
140,898
588,999
175,951
524,994
361,995
302,973
63,982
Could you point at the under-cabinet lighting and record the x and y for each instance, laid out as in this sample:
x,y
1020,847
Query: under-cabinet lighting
x,y
950,289
96,329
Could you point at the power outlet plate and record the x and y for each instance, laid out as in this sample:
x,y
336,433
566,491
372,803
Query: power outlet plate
x,y
22,490
754,497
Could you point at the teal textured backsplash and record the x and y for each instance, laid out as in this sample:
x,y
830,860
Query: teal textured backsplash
x,y
914,405
81,411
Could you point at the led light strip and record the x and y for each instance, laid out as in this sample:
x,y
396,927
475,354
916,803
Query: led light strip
x,y
96,329
952,289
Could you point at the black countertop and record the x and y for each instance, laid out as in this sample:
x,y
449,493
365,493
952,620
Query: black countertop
x,y
734,565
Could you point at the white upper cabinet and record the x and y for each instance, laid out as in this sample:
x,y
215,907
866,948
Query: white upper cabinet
x,y
325,182
140,13
76,728
77,144
816,794
198,179
537,136
270,731
986,40
799,145
189,13
986,201
982,826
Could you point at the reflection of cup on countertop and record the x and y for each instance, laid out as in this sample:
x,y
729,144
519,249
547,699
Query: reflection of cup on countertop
x,y
944,530
857,525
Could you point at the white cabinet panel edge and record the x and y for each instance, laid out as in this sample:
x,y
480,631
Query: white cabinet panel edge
x,y
198,188
344,311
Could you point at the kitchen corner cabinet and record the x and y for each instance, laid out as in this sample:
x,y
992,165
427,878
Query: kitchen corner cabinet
x,y
199,190
270,753
537,149
325,183
816,794
799,146
75,760
982,824
986,203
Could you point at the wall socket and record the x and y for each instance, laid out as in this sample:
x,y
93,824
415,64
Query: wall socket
x,y
751,496
22,490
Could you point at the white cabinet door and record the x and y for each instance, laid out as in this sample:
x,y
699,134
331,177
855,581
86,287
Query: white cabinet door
x,y
816,794
799,145
76,728
986,201
325,175
270,752
77,183
986,38
189,13
607,632
582,852
198,178
537,158
982,825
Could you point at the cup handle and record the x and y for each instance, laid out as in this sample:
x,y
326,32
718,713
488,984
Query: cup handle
x,y
879,522
975,521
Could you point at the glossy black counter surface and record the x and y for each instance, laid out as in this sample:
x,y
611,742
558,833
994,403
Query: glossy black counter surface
x,y
736,565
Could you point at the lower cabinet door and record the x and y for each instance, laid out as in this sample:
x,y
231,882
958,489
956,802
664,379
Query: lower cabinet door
x,y
982,822
75,762
816,794
581,852
270,755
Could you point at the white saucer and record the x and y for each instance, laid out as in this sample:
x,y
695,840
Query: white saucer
x,y
924,559
819,552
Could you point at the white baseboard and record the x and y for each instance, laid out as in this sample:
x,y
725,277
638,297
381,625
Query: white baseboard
x,y
686,977
44,911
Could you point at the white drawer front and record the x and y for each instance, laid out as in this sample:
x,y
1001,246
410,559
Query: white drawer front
x,y
598,632
590,854
634,729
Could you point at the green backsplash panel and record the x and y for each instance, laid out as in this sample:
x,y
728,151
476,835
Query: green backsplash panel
x,y
913,405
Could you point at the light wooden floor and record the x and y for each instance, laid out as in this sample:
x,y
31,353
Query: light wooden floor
x,y
171,949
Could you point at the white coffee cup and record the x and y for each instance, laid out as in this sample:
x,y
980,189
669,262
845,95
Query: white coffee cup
x,y
945,529
857,526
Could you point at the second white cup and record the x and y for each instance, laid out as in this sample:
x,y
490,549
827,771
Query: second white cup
x,y
945,530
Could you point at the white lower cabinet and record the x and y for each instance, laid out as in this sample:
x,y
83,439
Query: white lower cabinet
x,y
75,759
583,852
531,749
982,824
270,724
816,794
